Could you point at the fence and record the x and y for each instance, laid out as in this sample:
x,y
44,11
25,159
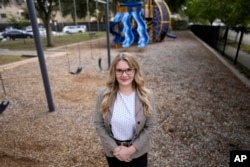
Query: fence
x,y
228,42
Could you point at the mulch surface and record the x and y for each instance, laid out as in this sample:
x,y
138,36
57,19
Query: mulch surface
x,y
203,109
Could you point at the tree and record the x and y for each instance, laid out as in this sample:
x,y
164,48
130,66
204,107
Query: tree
x,y
235,13
202,10
175,5
45,9
81,9
4,2
231,12
15,22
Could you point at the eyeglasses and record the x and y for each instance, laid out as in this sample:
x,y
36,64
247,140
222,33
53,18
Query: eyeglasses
x,y
128,71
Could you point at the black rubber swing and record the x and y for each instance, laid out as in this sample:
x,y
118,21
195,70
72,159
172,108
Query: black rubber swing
x,y
4,104
79,68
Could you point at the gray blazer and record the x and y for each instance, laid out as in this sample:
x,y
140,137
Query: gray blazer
x,y
144,127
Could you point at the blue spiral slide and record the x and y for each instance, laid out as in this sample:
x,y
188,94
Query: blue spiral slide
x,y
141,29
117,35
128,35
127,30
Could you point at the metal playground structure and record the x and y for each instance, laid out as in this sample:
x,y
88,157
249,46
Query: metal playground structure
x,y
139,22
134,22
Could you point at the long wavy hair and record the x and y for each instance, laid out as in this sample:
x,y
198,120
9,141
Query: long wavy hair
x,y
112,86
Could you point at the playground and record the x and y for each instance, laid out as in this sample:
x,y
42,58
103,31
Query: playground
x,y
203,109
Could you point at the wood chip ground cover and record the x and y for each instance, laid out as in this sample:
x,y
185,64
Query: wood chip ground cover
x,y
203,109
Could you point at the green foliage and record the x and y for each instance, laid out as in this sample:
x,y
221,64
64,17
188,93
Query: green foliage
x,y
243,47
175,5
231,12
25,13
4,2
45,11
82,8
202,10
13,21
179,24
237,13
46,8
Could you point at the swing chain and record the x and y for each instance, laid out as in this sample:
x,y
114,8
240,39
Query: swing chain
x,y
100,65
2,84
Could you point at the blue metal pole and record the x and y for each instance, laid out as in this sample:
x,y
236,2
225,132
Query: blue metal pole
x,y
32,15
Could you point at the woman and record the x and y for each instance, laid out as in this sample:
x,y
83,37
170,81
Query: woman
x,y
125,116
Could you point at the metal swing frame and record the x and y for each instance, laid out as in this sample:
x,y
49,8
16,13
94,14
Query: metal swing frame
x,y
107,34
80,67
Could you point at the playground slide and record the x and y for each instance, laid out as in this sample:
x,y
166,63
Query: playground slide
x,y
127,30
117,36
171,35
141,29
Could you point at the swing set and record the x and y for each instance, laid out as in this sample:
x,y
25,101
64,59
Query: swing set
x,y
4,103
107,35
79,69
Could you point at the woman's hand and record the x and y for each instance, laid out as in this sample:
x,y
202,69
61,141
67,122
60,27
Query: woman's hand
x,y
124,153
117,149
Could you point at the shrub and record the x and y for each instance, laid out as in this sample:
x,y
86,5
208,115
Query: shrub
x,y
179,24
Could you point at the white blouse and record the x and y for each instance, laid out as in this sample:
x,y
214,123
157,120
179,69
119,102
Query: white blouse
x,y
123,119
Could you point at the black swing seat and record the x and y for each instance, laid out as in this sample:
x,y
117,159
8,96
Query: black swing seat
x,y
78,71
3,106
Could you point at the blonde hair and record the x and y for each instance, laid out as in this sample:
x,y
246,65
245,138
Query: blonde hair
x,y
112,86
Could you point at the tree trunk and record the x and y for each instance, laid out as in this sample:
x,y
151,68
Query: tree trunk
x,y
45,15
48,33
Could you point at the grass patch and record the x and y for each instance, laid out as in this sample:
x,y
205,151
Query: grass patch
x,y
29,44
243,47
6,59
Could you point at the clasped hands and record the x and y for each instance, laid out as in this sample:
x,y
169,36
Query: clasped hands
x,y
124,153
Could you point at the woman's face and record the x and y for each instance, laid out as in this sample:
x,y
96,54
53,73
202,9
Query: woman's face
x,y
124,74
